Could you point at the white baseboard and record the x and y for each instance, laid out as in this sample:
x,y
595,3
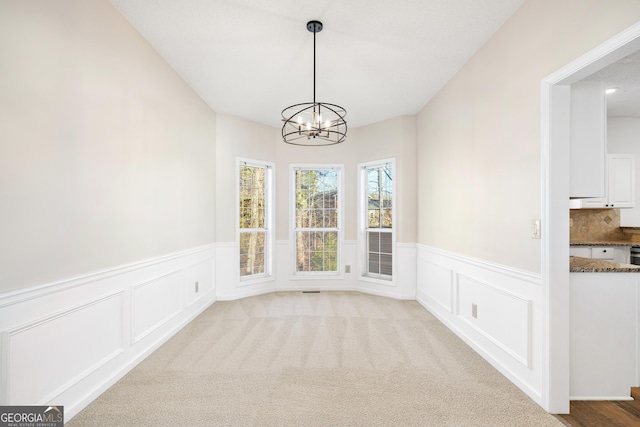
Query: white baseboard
x,y
65,343
507,330
75,355
230,287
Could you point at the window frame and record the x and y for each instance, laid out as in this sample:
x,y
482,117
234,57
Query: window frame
x,y
363,260
310,275
269,223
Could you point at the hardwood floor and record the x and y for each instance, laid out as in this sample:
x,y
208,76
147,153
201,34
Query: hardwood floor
x,y
625,413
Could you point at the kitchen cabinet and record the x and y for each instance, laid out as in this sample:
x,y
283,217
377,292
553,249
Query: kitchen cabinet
x,y
583,251
588,142
622,177
603,334
620,185
620,254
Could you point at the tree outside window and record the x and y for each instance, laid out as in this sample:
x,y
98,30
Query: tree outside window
x,y
253,218
378,228
316,228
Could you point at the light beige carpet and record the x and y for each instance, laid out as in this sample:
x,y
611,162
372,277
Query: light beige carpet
x,y
327,359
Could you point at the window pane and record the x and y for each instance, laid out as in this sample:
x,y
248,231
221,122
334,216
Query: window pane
x,y
258,217
316,208
245,217
379,211
244,243
374,241
374,217
316,218
244,268
374,263
379,197
331,261
258,266
252,196
252,212
385,265
317,251
252,253
386,241
300,219
330,218
387,218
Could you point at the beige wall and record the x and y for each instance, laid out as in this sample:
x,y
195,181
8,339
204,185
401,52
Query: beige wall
x,y
479,137
237,137
106,155
390,138
395,138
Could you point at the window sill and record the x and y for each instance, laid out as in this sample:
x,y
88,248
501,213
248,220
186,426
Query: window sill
x,y
390,283
247,281
334,276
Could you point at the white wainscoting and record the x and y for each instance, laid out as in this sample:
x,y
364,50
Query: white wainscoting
x,y
228,284
286,281
66,342
404,284
508,328
230,287
403,287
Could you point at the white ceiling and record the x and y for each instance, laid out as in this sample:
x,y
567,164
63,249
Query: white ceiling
x,y
376,58
625,75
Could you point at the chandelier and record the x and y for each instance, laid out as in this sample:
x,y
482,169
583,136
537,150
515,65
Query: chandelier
x,y
314,123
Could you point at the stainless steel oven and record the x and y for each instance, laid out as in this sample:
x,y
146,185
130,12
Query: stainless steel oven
x,y
635,255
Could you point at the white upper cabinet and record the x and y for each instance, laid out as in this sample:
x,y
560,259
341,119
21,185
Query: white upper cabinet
x,y
620,185
588,140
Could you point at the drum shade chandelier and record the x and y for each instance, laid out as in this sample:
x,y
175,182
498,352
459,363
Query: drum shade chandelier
x,y
314,123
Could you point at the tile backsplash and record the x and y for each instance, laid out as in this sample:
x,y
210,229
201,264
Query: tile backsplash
x,y
596,224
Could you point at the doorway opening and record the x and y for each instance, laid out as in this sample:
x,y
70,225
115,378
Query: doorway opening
x,y
555,133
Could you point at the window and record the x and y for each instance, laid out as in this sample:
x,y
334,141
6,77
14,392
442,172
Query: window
x,y
377,225
317,217
254,217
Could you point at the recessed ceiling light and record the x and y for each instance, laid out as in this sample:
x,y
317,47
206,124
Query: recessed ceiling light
x,y
611,90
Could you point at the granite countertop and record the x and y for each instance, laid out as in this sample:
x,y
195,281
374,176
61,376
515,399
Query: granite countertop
x,y
602,243
589,265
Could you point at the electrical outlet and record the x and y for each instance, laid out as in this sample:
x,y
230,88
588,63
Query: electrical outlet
x,y
347,269
197,287
474,310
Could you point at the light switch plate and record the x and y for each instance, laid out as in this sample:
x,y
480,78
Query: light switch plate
x,y
535,229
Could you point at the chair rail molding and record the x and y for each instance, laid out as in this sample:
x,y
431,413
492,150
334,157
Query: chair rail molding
x,y
67,341
495,309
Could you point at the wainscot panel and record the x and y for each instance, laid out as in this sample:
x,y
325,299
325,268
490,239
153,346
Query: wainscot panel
x,y
154,302
437,284
495,309
65,343
509,327
54,336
